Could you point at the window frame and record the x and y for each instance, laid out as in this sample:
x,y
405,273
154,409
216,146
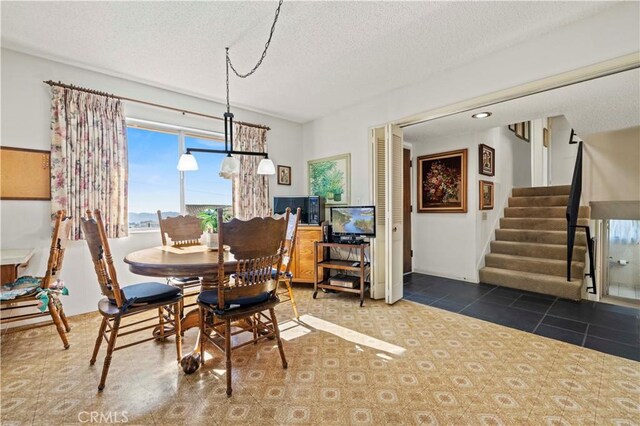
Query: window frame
x,y
182,132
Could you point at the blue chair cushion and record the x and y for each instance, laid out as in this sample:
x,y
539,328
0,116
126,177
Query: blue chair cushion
x,y
149,292
210,297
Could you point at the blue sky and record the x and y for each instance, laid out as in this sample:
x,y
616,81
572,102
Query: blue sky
x,y
154,181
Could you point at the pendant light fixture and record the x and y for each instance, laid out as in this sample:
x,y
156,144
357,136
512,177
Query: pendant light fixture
x,y
230,165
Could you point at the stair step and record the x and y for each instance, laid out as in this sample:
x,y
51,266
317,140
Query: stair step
x,y
539,236
534,264
539,201
550,212
529,281
541,190
550,224
544,251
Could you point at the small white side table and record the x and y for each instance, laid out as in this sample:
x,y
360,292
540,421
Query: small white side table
x,y
11,260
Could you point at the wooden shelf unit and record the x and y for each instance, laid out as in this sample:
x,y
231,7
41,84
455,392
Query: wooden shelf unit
x,y
324,264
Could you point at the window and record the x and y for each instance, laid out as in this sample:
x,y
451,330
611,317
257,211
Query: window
x,y
155,182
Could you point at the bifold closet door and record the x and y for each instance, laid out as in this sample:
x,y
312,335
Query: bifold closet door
x,y
387,193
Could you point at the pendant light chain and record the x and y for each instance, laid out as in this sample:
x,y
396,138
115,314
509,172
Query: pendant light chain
x,y
264,52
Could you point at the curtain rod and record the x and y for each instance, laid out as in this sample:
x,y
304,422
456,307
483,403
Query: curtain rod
x,y
122,98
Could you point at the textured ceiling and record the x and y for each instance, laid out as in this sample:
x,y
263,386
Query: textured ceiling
x,y
608,103
324,56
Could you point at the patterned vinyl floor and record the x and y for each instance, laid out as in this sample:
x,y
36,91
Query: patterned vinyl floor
x,y
384,365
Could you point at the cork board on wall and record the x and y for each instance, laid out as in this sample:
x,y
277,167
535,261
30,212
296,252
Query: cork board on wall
x,y
25,174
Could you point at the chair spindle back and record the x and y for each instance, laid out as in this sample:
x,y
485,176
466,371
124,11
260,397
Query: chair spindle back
x,y
183,230
257,246
59,239
290,241
96,236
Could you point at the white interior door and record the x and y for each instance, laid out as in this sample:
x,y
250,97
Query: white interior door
x,y
393,214
379,197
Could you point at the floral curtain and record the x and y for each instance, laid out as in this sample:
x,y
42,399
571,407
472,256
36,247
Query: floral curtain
x,y
250,190
89,158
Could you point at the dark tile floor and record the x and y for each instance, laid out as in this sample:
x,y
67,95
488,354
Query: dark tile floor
x,y
600,326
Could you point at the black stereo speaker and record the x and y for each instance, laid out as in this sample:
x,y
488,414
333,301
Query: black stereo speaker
x,y
327,233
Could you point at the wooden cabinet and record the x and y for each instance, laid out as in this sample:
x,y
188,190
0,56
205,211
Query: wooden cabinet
x,y
303,262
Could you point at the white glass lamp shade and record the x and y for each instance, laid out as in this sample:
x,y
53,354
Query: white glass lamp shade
x,y
230,166
187,162
266,167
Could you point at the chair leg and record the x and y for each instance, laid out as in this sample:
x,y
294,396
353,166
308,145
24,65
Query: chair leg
x,y
288,283
202,335
107,359
178,329
181,315
63,317
276,330
253,321
96,348
55,316
161,321
227,352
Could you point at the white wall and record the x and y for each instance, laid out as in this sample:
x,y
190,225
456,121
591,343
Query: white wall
x,y
521,160
453,245
611,166
562,155
25,124
607,35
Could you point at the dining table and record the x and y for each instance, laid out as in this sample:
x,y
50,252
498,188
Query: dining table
x,y
187,261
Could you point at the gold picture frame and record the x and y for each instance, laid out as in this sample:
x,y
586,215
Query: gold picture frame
x,y
442,182
486,195
330,178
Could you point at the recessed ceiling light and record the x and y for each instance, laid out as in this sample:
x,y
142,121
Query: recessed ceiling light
x,y
484,114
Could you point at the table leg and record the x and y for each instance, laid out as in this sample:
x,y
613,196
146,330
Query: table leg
x,y
191,362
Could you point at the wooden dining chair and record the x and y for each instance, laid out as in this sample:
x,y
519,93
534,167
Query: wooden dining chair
x,y
257,245
33,285
285,275
124,302
183,231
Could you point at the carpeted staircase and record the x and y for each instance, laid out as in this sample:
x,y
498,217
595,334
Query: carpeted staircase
x,y
530,249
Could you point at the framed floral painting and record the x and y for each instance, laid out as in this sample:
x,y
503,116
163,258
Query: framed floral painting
x,y
442,182
486,195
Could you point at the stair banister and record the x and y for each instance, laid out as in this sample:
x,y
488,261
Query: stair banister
x,y
573,210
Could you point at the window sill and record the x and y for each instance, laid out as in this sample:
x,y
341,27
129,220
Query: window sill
x,y
143,231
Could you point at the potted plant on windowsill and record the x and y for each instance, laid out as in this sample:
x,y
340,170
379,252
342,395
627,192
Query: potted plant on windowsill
x,y
209,219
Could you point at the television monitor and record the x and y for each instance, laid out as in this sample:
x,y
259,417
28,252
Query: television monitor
x,y
354,221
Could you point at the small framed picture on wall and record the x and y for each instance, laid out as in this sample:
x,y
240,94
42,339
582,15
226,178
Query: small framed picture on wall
x,y
486,195
487,156
284,175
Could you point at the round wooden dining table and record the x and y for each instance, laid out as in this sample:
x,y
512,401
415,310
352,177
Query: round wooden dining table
x,y
189,261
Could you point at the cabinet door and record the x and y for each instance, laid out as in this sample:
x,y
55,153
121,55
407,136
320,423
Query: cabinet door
x,y
305,247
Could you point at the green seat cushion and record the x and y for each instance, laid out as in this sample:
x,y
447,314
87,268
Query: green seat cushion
x,y
20,287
